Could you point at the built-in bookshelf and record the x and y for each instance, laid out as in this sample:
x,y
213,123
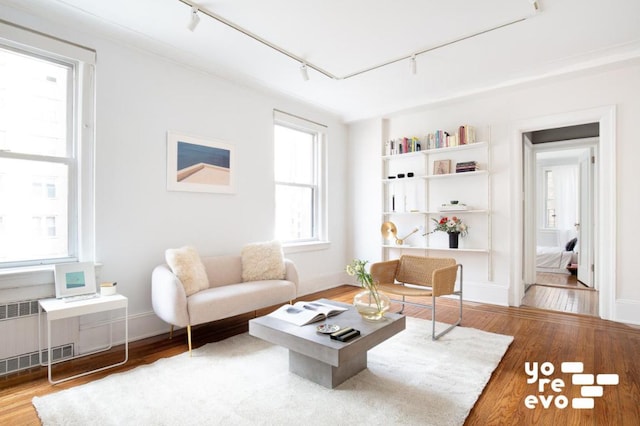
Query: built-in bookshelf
x,y
422,182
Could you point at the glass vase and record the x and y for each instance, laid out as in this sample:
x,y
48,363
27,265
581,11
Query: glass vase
x,y
370,307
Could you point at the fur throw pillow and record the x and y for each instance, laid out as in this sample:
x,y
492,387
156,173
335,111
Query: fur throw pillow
x,y
187,266
263,261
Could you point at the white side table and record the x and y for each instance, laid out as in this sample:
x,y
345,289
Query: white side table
x,y
57,309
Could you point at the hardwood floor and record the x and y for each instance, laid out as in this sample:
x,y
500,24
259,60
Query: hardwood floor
x,y
562,299
561,292
539,336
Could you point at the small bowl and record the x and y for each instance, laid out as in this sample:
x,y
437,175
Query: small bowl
x,y
454,202
107,291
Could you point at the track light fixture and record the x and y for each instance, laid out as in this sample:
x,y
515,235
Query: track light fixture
x,y
304,68
304,71
195,19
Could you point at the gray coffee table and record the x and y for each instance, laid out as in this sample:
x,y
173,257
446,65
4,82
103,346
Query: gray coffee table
x,y
316,356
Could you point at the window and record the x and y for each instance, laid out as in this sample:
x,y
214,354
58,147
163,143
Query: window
x,y
299,180
46,149
549,200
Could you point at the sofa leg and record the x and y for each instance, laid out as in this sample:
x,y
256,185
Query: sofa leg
x,y
189,337
171,332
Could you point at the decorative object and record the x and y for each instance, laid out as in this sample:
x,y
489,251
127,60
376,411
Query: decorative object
x,y
187,266
453,207
454,227
370,303
199,165
108,288
389,231
453,374
441,167
453,239
453,224
74,279
263,261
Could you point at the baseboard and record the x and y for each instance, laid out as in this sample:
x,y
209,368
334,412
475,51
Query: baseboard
x,y
324,282
486,293
141,326
627,311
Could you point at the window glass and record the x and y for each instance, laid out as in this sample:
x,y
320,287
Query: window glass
x,y
299,198
550,200
40,205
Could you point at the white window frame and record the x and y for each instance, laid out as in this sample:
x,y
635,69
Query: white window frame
x,y
320,229
81,212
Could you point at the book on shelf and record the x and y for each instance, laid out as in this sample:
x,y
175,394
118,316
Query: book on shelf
x,y
402,146
303,313
467,135
466,166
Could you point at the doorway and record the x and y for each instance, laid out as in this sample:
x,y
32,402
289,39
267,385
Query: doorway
x,y
562,178
603,220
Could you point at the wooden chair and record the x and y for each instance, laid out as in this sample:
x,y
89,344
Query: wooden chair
x,y
418,276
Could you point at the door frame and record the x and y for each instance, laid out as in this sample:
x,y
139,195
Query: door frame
x,y
604,213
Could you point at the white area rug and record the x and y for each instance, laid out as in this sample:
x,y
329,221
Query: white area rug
x,y
410,380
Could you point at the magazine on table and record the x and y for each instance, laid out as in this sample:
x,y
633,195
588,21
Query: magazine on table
x,y
303,313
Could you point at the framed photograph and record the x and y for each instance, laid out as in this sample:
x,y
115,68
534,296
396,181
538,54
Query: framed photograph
x,y
441,167
199,165
73,279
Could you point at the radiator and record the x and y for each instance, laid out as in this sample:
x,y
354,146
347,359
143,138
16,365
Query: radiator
x,y
19,337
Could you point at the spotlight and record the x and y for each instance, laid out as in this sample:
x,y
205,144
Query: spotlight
x,y
535,5
304,72
195,19
412,64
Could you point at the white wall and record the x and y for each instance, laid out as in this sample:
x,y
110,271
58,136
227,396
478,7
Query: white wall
x,y
139,97
617,85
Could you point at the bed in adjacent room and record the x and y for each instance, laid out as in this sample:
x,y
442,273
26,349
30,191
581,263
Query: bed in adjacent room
x,y
556,259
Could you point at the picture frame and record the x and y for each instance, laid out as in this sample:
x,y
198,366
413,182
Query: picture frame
x,y
441,167
197,164
73,279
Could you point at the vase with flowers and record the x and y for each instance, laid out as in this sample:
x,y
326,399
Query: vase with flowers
x,y
452,226
370,303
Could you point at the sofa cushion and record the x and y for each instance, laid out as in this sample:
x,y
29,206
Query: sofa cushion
x,y
263,261
187,266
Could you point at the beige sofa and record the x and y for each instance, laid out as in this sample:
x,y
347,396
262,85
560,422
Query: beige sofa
x,y
226,296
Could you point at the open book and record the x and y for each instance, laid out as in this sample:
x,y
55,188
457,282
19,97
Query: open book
x,y
303,313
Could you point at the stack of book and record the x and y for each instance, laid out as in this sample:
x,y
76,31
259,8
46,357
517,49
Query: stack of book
x,y
466,135
466,166
402,146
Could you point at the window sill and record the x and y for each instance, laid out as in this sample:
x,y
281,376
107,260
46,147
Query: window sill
x,y
306,246
28,276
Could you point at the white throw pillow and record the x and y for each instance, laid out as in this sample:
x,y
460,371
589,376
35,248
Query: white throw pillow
x,y
187,266
263,261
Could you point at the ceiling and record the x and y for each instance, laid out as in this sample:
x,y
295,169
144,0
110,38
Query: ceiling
x,y
464,53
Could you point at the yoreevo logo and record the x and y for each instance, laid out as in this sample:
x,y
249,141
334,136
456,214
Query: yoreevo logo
x,y
550,388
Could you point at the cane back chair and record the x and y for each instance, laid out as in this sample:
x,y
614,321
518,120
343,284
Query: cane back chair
x,y
417,277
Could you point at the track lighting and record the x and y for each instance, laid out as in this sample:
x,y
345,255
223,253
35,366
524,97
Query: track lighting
x,y
195,19
304,72
304,66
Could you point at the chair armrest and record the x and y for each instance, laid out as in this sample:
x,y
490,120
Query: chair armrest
x,y
291,273
444,280
168,297
384,272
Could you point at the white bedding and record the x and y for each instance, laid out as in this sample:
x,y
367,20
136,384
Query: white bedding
x,y
553,259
